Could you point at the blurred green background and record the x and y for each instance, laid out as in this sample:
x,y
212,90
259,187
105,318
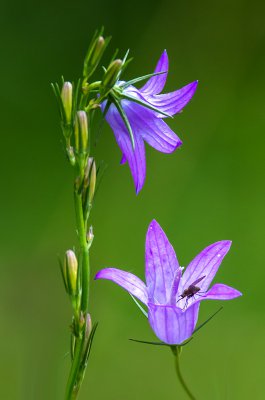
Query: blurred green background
x,y
210,189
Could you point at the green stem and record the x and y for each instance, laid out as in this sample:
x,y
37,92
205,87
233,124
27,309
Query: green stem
x,y
85,269
71,393
73,385
176,352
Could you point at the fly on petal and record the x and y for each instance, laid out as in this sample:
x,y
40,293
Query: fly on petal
x,y
172,298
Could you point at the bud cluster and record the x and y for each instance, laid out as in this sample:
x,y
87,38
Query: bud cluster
x,y
78,102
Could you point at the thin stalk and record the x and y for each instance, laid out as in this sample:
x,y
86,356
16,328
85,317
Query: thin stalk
x,y
85,271
176,352
70,393
73,385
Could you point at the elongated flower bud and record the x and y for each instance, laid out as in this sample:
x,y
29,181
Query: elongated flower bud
x,y
92,182
70,269
94,54
67,99
81,132
98,50
87,172
88,326
111,74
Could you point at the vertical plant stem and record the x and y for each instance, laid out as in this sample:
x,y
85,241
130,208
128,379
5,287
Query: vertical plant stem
x,y
72,384
176,352
70,393
85,269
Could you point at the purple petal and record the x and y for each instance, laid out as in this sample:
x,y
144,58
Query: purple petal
x,y
174,102
161,264
152,129
171,324
135,157
205,264
156,83
221,292
126,280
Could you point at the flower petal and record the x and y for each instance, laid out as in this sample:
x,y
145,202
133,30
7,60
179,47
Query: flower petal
x,y
171,324
221,292
161,264
126,280
152,129
135,157
174,102
205,264
156,83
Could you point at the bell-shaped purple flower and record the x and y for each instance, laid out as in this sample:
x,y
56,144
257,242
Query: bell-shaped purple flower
x,y
143,112
173,299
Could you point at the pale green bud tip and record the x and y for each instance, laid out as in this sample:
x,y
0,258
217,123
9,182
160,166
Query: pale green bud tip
x,y
88,325
83,128
111,74
67,98
70,271
98,50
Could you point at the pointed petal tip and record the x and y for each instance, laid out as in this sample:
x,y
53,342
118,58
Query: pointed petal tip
x,y
154,224
138,189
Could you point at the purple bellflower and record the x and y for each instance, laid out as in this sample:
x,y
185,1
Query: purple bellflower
x,y
136,115
172,298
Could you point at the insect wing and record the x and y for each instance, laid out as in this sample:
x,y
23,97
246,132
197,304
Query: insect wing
x,y
197,280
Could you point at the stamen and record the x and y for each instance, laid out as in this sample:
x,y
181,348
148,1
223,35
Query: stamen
x,y
175,286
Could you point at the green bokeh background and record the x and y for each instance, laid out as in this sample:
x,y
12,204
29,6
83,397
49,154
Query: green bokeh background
x,y
210,189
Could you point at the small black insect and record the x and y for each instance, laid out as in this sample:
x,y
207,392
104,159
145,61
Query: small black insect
x,y
191,290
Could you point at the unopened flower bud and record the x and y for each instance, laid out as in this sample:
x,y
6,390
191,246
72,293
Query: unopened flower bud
x,y
81,131
71,155
94,54
67,99
70,272
81,320
87,172
111,74
92,182
90,236
98,50
88,326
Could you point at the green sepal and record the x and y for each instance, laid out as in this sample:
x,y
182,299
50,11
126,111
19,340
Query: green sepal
x,y
140,78
139,305
162,343
144,104
125,119
125,63
152,343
